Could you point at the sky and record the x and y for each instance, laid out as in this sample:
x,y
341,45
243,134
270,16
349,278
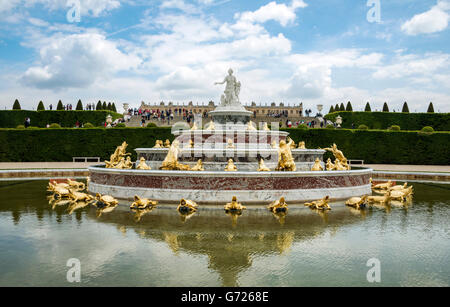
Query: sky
x,y
311,51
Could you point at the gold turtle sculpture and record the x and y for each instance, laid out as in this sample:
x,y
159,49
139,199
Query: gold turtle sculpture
x,y
401,195
278,206
381,186
230,166
321,204
385,199
187,206
78,186
79,196
357,202
317,166
103,201
143,165
262,166
399,187
198,166
234,206
61,193
142,203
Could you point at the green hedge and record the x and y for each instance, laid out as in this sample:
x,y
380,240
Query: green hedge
x,y
383,120
13,118
372,146
380,146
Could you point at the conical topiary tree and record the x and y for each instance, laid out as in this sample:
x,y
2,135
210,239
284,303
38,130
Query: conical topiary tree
x,y
99,105
60,106
16,105
40,106
331,109
342,107
349,107
385,107
104,107
114,108
79,106
405,108
430,108
109,106
367,108
336,108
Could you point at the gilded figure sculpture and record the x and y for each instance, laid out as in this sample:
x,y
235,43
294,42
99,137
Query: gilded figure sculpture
x,y
171,163
76,185
142,203
76,196
230,166
380,199
143,165
339,156
330,166
158,144
230,144
274,145
381,186
291,141
234,206
128,163
302,145
187,206
317,166
262,167
357,202
167,144
118,157
251,126
285,160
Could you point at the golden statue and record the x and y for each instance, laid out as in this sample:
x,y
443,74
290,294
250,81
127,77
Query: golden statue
x,y
142,165
265,127
357,202
338,166
77,186
291,141
250,126
278,206
76,196
142,203
158,144
210,126
234,206
105,201
285,159
117,156
128,163
190,144
198,166
262,167
321,204
330,166
381,186
317,166
230,166
339,156
230,144
380,199
167,144
194,126
275,145
187,206
301,145
400,187
171,163
52,185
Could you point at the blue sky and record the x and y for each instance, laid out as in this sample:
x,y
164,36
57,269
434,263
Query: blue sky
x,y
310,51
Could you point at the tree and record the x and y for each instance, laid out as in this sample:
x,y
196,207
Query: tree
x,y
336,108
405,108
104,106
342,108
430,108
368,109
385,107
349,107
99,105
79,106
109,106
60,106
114,107
16,105
40,106
331,109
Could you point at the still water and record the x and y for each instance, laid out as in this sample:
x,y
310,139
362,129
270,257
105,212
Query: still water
x,y
159,248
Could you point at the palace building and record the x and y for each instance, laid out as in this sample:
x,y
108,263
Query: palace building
x,y
260,110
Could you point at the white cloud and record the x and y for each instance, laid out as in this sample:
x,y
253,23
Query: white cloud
x,y
281,13
77,60
432,21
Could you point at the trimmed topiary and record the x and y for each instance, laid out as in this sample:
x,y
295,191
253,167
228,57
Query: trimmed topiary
x,y
349,107
331,109
385,107
20,127
79,106
98,107
88,125
330,126
405,108
367,108
120,125
151,125
342,107
40,106
60,106
16,105
395,128
55,126
430,108
363,127
426,131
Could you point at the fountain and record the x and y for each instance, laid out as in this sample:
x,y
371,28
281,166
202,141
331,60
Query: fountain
x,y
231,138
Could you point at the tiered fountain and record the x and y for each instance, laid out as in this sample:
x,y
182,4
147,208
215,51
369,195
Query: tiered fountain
x,y
230,135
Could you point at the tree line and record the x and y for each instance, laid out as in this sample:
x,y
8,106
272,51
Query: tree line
x,y
405,108
60,107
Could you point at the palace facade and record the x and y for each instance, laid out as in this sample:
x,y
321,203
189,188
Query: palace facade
x,y
260,110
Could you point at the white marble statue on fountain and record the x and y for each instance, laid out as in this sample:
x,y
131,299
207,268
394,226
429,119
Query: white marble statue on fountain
x,y
232,90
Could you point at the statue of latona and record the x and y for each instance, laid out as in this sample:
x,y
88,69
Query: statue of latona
x,y
232,89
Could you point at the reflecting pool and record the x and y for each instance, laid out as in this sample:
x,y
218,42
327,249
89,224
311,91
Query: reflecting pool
x,y
211,248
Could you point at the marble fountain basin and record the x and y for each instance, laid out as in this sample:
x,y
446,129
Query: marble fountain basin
x,y
214,187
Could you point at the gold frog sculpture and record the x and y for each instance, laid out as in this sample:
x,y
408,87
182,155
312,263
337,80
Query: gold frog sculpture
x,y
230,166
285,160
278,206
234,206
321,204
317,166
142,203
143,165
187,206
